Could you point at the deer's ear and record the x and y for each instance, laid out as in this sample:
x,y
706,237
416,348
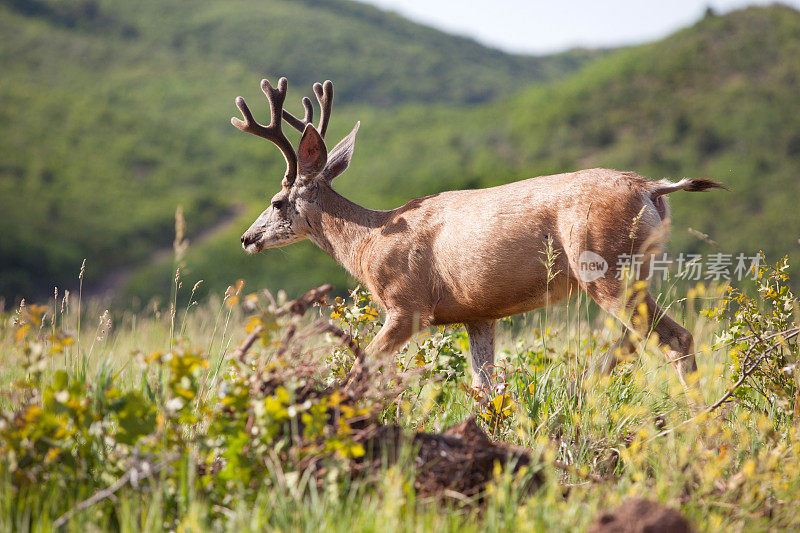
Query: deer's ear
x,y
312,153
340,156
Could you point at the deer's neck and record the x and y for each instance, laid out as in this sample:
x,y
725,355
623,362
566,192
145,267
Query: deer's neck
x,y
344,228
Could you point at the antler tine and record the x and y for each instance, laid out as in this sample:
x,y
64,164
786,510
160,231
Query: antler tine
x,y
324,93
273,132
308,118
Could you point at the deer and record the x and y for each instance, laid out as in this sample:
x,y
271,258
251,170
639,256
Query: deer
x,y
473,257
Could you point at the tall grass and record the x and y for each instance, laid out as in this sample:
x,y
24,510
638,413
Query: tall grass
x,y
599,440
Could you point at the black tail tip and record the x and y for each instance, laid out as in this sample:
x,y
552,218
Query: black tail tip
x,y
703,184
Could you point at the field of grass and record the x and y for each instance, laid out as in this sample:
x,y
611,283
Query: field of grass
x,y
154,420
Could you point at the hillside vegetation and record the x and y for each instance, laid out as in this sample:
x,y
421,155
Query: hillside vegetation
x,y
113,113
117,114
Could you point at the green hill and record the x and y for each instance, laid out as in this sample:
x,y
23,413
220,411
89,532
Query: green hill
x,y
114,113
719,99
378,57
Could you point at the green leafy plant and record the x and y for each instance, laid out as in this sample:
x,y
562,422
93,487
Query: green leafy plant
x,y
763,338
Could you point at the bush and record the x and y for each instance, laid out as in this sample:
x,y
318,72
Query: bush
x,y
764,349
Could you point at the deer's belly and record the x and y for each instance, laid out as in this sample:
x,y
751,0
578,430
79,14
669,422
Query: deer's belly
x,y
498,301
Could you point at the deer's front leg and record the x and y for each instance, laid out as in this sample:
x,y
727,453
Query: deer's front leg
x,y
393,335
481,347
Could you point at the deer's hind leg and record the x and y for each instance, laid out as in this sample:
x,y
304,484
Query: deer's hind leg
x,y
674,340
481,348
640,313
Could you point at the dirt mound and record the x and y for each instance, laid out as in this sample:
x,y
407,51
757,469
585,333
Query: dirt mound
x,y
463,458
457,463
638,515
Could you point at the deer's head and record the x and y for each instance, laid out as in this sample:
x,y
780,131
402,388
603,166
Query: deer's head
x,y
309,169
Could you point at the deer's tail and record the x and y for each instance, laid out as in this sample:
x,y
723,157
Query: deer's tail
x,y
686,184
659,188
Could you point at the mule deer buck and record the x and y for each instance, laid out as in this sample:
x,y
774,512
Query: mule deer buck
x,y
471,256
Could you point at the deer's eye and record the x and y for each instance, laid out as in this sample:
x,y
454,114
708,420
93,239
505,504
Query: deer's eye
x,y
277,204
